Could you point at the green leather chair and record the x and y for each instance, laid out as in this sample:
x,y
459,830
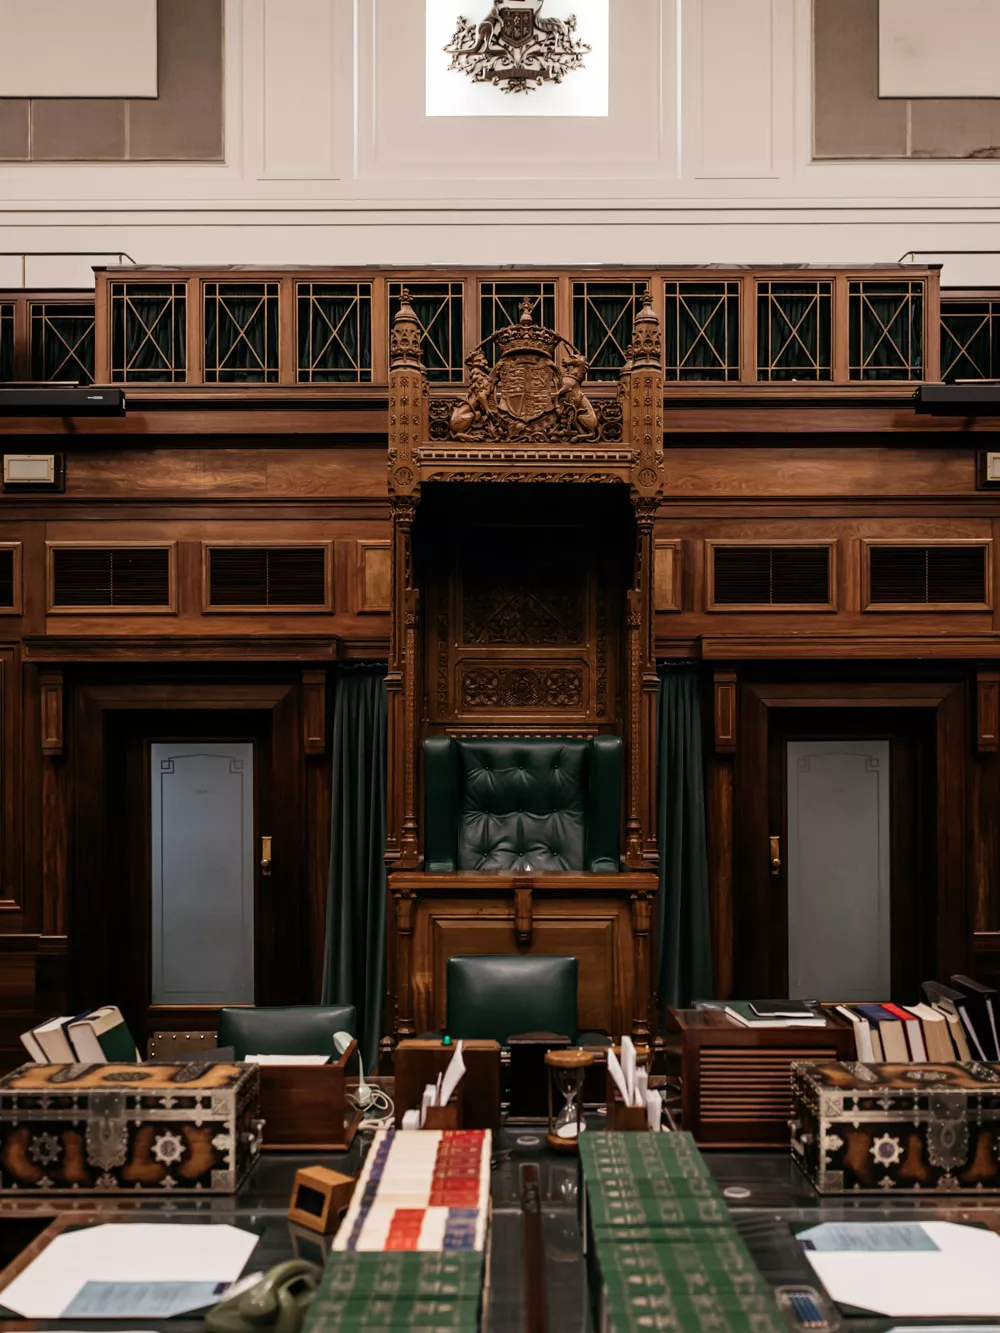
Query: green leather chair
x,y
494,996
496,804
301,1029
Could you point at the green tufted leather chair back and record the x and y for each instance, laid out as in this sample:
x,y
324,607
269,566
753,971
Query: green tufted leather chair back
x,y
493,996
494,804
298,1029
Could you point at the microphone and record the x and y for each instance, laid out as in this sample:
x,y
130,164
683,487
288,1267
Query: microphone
x,y
341,1041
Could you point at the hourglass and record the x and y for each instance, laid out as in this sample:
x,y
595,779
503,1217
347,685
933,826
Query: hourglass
x,y
566,1070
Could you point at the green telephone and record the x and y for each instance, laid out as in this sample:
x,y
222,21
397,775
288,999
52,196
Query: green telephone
x,y
276,1303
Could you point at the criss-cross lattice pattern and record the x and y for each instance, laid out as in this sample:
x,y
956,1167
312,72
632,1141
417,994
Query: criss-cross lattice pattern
x,y
794,330
62,341
335,332
603,316
970,340
6,341
439,308
241,332
701,335
886,330
149,332
500,305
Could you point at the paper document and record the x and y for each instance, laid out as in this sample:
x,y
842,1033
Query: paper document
x,y
287,1059
628,1069
452,1075
952,1271
615,1070
128,1254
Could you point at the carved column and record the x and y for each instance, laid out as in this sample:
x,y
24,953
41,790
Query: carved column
x,y
405,905
407,407
642,916
642,390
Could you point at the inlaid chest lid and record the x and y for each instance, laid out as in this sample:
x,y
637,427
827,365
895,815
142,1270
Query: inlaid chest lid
x,y
847,1075
152,1077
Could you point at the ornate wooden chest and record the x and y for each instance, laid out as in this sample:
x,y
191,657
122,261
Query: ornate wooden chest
x,y
103,1128
875,1128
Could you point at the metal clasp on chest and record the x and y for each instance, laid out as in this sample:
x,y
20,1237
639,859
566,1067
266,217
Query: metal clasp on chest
x,y
107,1130
947,1129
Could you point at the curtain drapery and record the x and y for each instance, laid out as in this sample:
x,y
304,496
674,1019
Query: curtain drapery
x,y
683,925
354,958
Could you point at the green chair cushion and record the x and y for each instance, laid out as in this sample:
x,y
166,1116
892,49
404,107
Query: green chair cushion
x,y
302,1029
493,996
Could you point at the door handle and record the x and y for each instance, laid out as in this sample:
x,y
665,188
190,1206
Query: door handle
x,y
265,855
775,855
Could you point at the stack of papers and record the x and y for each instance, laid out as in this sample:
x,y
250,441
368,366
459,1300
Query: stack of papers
x,y
130,1270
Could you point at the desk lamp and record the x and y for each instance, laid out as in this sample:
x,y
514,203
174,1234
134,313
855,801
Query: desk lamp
x,y
341,1041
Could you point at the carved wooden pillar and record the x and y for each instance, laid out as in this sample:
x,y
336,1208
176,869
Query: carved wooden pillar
x,y
407,409
642,917
642,390
405,902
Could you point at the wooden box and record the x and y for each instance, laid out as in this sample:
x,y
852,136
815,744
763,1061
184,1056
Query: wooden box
x,y
306,1106
736,1082
419,1061
875,1129
125,1127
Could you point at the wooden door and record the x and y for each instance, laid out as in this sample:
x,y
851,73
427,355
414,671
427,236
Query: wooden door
x,y
864,882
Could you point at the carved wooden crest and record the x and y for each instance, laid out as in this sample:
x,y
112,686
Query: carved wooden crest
x,y
529,395
513,48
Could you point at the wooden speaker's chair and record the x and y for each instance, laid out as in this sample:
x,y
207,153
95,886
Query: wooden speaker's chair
x,y
540,803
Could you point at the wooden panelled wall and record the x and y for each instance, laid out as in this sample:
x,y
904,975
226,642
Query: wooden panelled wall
x,y
190,473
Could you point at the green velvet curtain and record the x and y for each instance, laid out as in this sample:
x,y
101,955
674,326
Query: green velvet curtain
x,y
354,967
683,927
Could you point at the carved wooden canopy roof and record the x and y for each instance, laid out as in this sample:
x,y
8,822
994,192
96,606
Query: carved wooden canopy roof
x,y
525,416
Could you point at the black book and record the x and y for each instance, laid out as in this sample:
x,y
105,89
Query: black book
x,y
982,1002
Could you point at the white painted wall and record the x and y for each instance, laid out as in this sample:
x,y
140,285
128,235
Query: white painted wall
x,y
703,157
77,48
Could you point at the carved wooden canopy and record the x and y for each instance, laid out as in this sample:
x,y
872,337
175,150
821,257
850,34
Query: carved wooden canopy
x,y
525,415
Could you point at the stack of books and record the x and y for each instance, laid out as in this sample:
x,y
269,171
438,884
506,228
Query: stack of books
x,y
409,1251
664,1252
98,1036
958,1021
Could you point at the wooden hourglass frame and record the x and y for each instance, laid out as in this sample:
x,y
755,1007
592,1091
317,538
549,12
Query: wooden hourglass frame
x,y
565,1070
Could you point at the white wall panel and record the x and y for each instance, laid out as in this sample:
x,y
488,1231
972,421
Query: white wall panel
x,y
939,48
298,89
729,53
77,48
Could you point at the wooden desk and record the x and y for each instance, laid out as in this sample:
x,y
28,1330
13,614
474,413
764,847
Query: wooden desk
x,y
604,920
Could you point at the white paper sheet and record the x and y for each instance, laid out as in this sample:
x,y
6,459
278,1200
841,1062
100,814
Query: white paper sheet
x,y
126,1252
452,1075
960,1278
287,1059
615,1070
628,1069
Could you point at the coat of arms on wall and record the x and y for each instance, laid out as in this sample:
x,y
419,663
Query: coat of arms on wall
x,y
528,395
515,49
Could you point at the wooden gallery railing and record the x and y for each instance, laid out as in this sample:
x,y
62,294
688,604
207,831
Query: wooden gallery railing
x,y
325,332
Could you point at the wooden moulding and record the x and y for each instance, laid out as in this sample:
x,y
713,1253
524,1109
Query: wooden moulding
x,y
306,1106
320,1197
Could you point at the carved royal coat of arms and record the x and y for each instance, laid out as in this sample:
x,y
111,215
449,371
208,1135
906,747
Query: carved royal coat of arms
x,y
514,48
528,395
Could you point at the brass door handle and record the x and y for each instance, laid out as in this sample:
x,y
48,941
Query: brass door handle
x,y
775,855
265,855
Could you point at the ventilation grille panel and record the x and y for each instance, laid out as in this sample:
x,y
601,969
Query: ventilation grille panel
x,y
927,575
114,577
743,1090
261,576
771,576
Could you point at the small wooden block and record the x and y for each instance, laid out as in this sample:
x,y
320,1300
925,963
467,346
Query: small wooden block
x,y
320,1197
444,1117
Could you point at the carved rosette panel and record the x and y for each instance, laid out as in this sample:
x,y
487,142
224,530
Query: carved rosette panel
x,y
522,687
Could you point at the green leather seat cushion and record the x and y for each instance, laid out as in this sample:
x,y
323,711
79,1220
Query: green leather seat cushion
x,y
493,996
302,1029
